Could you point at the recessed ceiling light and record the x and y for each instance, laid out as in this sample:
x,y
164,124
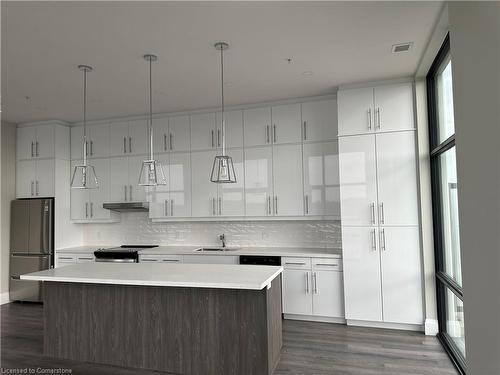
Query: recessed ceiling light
x,y
307,73
402,47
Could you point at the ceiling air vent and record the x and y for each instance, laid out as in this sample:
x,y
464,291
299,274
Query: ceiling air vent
x,y
403,47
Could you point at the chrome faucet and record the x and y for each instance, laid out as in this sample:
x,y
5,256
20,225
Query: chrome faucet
x,y
222,237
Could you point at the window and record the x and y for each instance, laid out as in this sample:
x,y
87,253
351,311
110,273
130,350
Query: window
x,y
445,192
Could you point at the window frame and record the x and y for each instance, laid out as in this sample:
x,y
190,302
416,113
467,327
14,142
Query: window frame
x,y
443,281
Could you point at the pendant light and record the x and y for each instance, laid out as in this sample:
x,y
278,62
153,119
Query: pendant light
x,y
84,176
223,169
151,171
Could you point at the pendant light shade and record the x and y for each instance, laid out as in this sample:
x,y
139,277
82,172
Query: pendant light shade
x,y
151,171
223,168
84,176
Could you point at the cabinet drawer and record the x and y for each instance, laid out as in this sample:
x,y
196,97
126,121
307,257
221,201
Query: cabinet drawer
x,y
66,258
296,263
171,258
149,258
85,258
326,264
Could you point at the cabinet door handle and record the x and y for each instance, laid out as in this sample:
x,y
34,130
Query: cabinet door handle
x,y
326,265
213,206
130,193
171,207
36,147
64,258
372,207
164,142
86,209
307,282
374,241
269,205
220,206
377,112
32,152
382,239
91,209
32,188
165,207
307,204
218,137
295,263
170,136
382,215
130,144
125,189
305,130
170,260
267,133
315,283
274,133
124,145
369,119
276,205
212,138
92,148
36,187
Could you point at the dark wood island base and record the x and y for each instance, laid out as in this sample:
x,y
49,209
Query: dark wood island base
x,y
179,330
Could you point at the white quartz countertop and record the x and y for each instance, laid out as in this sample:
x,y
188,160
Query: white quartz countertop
x,y
189,250
222,276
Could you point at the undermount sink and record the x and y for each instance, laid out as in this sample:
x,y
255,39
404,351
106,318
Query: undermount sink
x,y
203,249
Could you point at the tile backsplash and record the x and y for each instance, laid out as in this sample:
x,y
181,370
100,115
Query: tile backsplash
x,y
136,228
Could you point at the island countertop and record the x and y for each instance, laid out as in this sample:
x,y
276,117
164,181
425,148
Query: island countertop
x,y
221,276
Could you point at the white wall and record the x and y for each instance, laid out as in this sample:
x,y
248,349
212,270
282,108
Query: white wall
x,y
136,228
8,192
475,50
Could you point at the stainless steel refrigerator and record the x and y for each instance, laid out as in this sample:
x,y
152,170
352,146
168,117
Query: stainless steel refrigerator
x,y
31,245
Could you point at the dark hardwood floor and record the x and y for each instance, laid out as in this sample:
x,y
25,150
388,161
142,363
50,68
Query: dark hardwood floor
x,y
308,349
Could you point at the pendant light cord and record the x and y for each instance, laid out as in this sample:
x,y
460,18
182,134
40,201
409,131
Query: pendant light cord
x,y
150,109
222,98
84,116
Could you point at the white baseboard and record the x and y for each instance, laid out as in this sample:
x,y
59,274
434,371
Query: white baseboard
x,y
314,318
4,298
431,327
400,326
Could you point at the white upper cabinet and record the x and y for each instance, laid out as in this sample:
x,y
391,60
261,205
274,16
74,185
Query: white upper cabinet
x,y
45,178
321,179
118,138
161,135
234,129
97,141
355,111
136,193
259,181
204,192
376,109
397,179
42,142
25,178
358,176
394,107
138,137
232,196
35,178
159,196
286,124
118,178
26,138
128,138
319,120
288,185
257,126
203,132
179,137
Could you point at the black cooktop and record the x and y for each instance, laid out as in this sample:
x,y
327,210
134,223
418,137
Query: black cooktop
x,y
126,248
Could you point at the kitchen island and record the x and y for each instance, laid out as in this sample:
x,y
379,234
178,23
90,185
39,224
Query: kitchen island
x,y
178,318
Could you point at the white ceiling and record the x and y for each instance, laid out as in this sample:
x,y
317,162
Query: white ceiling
x,y
340,42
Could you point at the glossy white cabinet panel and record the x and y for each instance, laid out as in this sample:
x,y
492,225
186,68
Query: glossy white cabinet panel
x,y
44,144
25,178
25,142
118,138
297,291
401,275
232,196
328,293
45,178
98,146
397,179
288,185
321,179
286,124
234,128
159,196
179,137
394,107
136,193
35,178
35,142
161,135
101,195
319,120
355,111
204,192
79,198
257,126
77,142
259,181
138,137
358,190
118,178
179,183
362,278
211,259
203,132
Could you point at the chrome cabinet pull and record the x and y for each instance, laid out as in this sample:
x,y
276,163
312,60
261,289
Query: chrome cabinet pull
x,y
130,144
92,148
372,206
171,136
267,133
382,239
295,263
91,209
326,264
36,148
274,133
86,209
305,130
315,283
377,113
307,204
218,137
369,119
220,206
269,205
213,207
164,142
374,241
86,148
307,282
32,152
125,189
32,188
276,205
36,187
165,207
171,207
212,138
124,145
382,215
130,193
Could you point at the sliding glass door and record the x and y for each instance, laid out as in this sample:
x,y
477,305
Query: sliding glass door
x,y
445,206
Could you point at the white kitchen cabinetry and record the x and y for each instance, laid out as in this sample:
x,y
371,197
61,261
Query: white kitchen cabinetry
x,y
35,178
155,258
286,124
319,120
128,138
211,259
204,135
376,109
259,181
232,196
42,141
204,192
313,287
97,141
321,179
288,183
257,126
68,259
171,134
124,179
234,128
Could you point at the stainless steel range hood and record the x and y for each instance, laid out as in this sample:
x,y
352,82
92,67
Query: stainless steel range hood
x,y
127,207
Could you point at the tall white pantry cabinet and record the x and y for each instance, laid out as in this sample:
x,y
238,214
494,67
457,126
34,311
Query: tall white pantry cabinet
x,y
379,206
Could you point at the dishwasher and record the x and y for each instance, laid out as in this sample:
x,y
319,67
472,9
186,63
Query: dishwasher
x,y
261,260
